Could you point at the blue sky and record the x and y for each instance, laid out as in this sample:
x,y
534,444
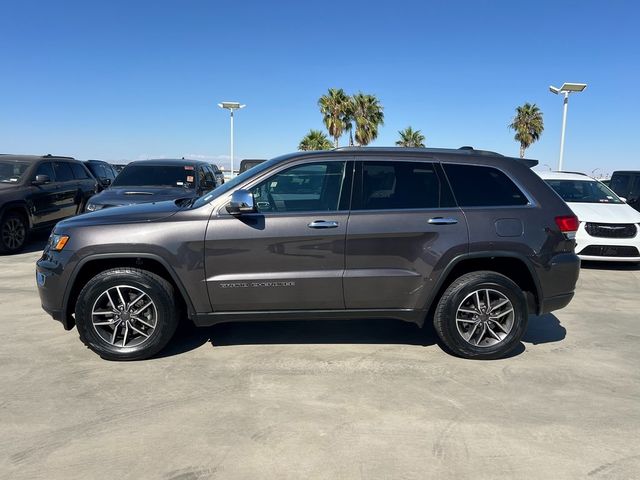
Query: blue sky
x,y
138,79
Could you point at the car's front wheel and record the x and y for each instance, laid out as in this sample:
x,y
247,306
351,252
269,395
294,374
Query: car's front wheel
x,y
14,230
481,315
126,314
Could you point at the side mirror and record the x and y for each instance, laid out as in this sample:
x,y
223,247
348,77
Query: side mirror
x,y
241,202
41,180
105,182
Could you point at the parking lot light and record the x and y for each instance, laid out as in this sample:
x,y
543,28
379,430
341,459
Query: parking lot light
x,y
565,89
231,106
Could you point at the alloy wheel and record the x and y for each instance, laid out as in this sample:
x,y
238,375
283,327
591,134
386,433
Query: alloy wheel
x,y
124,316
13,233
485,317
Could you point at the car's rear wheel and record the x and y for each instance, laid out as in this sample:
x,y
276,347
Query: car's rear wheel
x,y
126,314
481,315
14,230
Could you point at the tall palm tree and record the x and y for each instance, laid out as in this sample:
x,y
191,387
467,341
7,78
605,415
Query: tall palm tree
x,y
528,126
333,106
411,138
315,140
368,117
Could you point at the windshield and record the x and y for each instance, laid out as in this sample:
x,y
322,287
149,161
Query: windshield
x,y
231,184
583,191
156,176
10,172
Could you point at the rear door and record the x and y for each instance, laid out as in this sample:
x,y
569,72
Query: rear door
x,y
290,254
403,225
68,187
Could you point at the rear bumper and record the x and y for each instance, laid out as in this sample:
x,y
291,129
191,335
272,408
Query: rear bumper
x,y
558,281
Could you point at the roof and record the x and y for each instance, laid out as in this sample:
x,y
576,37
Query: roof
x,y
31,158
454,152
169,162
564,176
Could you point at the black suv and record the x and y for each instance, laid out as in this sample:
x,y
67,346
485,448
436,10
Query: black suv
x,y
104,172
627,185
156,181
471,239
38,191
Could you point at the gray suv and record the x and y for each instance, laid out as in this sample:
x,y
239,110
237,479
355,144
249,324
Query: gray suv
x,y
472,240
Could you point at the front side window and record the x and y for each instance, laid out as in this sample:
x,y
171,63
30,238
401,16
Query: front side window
x,y
401,185
156,176
583,191
63,172
10,172
45,168
309,187
479,186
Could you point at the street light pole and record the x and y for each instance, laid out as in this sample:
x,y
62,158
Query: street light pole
x,y
231,106
565,89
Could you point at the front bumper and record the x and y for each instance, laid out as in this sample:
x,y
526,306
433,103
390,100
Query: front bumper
x,y
607,249
51,279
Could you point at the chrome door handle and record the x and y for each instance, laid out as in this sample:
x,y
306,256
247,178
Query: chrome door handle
x,y
442,221
323,224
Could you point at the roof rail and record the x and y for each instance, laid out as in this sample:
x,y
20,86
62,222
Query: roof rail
x,y
48,155
575,173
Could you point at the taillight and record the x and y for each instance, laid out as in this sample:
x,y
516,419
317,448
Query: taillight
x,y
568,225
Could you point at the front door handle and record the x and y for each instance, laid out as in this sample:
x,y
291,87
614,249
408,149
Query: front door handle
x,y
323,224
442,221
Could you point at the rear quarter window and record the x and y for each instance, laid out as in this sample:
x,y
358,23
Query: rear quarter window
x,y
479,186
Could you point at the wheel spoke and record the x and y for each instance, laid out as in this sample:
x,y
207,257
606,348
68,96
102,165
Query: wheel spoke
x,y
124,304
466,310
499,325
131,304
488,300
502,314
482,334
478,305
103,312
139,331
147,305
500,304
466,320
492,333
473,330
104,323
115,333
137,318
126,332
113,305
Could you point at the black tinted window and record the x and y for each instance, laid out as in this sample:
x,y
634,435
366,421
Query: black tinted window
x,y
620,184
45,169
79,172
476,186
63,172
399,185
309,187
157,175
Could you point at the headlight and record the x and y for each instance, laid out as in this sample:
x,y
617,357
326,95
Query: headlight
x,y
58,241
92,207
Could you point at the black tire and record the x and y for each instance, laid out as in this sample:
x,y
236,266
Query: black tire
x,y
155,287
14,232
446,325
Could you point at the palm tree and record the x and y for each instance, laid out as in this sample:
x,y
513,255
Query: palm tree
x,y
333,107
528,126
315,140
368,116
411,138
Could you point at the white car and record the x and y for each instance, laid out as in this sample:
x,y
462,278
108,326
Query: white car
x,y
609,228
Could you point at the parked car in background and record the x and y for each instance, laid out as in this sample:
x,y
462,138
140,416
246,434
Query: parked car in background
x,y
472,239
248,163
38,191
627,185
119,167
608,226
104,172
148,181
217,173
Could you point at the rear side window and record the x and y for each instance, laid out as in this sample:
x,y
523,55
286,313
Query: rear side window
x,y
400,185
63,172
79,171
477,186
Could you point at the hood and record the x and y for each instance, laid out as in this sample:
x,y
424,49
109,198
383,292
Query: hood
x,y
141,213
116,196
605,212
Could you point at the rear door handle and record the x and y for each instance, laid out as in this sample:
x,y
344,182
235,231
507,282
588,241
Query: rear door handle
x,y
442,221
323,224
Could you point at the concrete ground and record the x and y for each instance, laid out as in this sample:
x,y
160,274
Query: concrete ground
x,y
332,400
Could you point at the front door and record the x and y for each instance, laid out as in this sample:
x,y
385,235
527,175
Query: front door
x,y
43,198
289,255
403,225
